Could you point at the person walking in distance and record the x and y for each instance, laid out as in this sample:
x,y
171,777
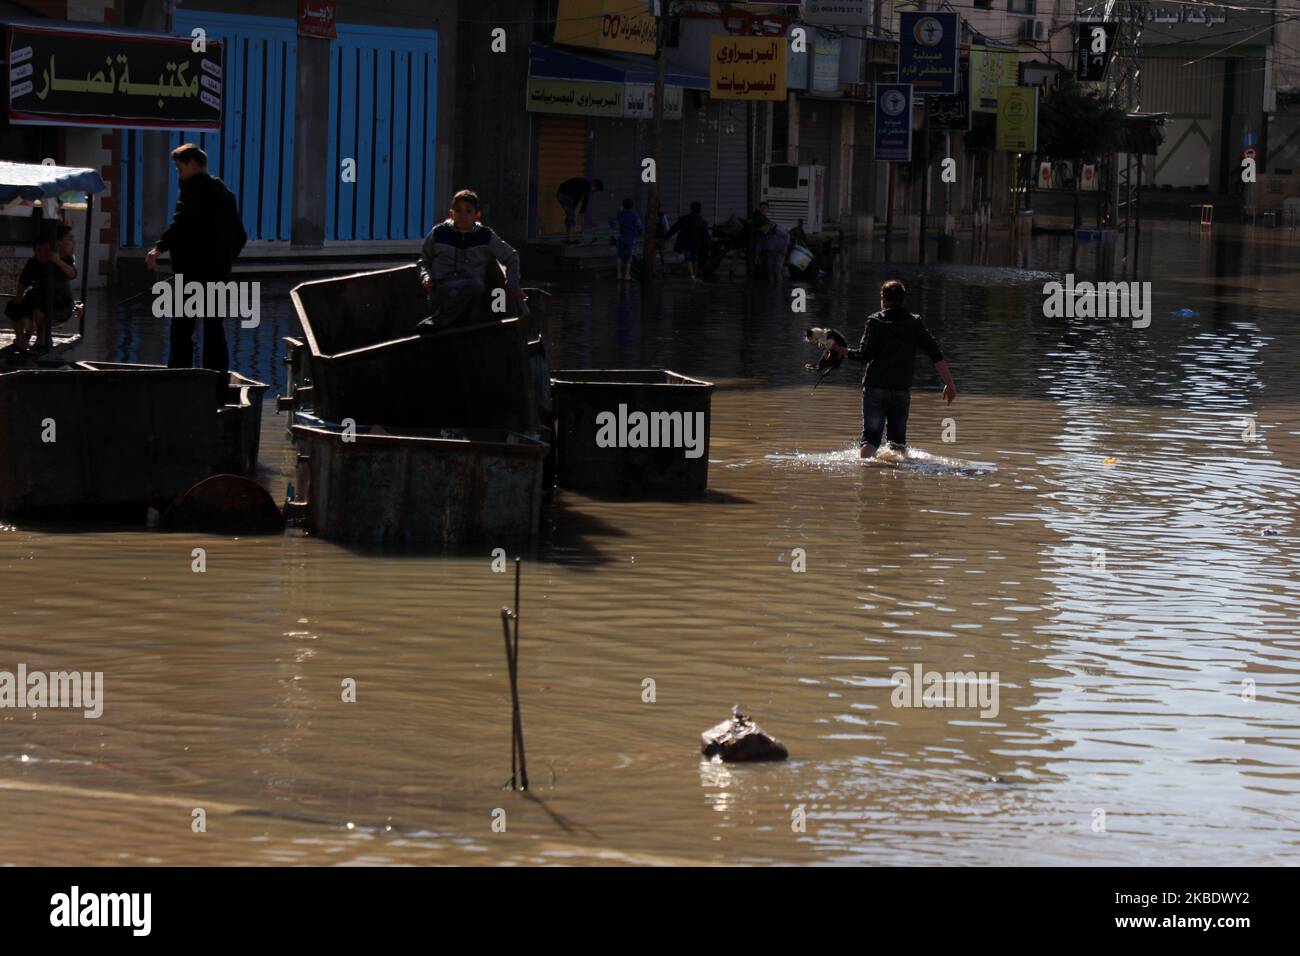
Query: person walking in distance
x,y
205,237
692,232
628,224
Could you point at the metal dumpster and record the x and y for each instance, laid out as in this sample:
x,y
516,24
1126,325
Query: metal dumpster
x,y
239,419
365,362
424,489
119,437
602,443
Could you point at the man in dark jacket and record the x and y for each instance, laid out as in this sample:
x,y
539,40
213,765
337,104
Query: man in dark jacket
x,y
572,195
888,349
204,238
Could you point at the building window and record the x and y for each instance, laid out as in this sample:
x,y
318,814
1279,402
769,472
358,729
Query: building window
x,y
983,4
1025,7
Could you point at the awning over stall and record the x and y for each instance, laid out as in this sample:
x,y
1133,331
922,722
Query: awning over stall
x,y
32,181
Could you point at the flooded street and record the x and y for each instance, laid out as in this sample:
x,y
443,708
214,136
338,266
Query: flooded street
x,y
1093,534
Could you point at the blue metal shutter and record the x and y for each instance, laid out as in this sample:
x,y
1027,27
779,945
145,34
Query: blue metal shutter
x,y
383,90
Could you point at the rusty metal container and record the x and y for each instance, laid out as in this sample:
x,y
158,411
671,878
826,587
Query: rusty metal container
x,y
419,490
365,362
121,437
664,397
239,419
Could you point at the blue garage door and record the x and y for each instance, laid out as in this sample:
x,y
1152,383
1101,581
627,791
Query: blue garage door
x,y
383,92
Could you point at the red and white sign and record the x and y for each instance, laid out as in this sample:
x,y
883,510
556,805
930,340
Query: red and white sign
x,y
316,18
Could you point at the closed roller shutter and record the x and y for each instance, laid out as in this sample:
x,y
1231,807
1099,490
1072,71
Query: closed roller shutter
x,y
732,181
699,156
714,158
561,155
617,152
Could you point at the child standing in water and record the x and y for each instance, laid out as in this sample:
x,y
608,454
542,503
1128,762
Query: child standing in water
x,y
628,224
888,349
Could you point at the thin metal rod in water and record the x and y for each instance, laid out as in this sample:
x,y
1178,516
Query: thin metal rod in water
x,y
510,668
514,688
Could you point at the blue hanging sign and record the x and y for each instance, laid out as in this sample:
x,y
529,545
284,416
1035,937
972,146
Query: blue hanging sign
x,y
894,122
927,51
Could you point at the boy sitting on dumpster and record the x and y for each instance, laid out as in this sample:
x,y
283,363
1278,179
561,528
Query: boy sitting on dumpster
x,y
454,265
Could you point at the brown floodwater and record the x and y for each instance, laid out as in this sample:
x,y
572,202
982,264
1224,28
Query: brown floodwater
x,y
1155,696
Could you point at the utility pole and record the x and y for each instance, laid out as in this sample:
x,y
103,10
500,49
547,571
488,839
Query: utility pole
x,y
1124,83
925,160
656,148
925,173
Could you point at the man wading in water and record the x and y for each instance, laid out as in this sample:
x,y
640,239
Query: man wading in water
x,y
888,349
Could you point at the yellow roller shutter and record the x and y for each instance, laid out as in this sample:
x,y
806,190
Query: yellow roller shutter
x,y
561,155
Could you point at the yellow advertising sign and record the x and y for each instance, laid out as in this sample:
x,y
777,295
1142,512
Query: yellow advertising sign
x,y
1017,119
575,97
990,69
747,68
606,25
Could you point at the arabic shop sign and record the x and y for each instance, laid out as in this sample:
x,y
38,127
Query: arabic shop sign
x,y
118,80
747,68
639,101
583,98
1092,47
989,70
575,97
951,112
316,18
606,25
927,51
1017,119
1192,23
894,122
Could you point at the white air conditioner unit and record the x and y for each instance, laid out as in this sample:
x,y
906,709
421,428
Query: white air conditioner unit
x,y
794,193
1033,31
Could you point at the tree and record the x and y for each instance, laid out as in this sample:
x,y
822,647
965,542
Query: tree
x,y
1078,125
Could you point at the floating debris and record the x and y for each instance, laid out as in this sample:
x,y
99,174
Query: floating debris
x,y
740,740
1270,533
1185,314
1110,461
